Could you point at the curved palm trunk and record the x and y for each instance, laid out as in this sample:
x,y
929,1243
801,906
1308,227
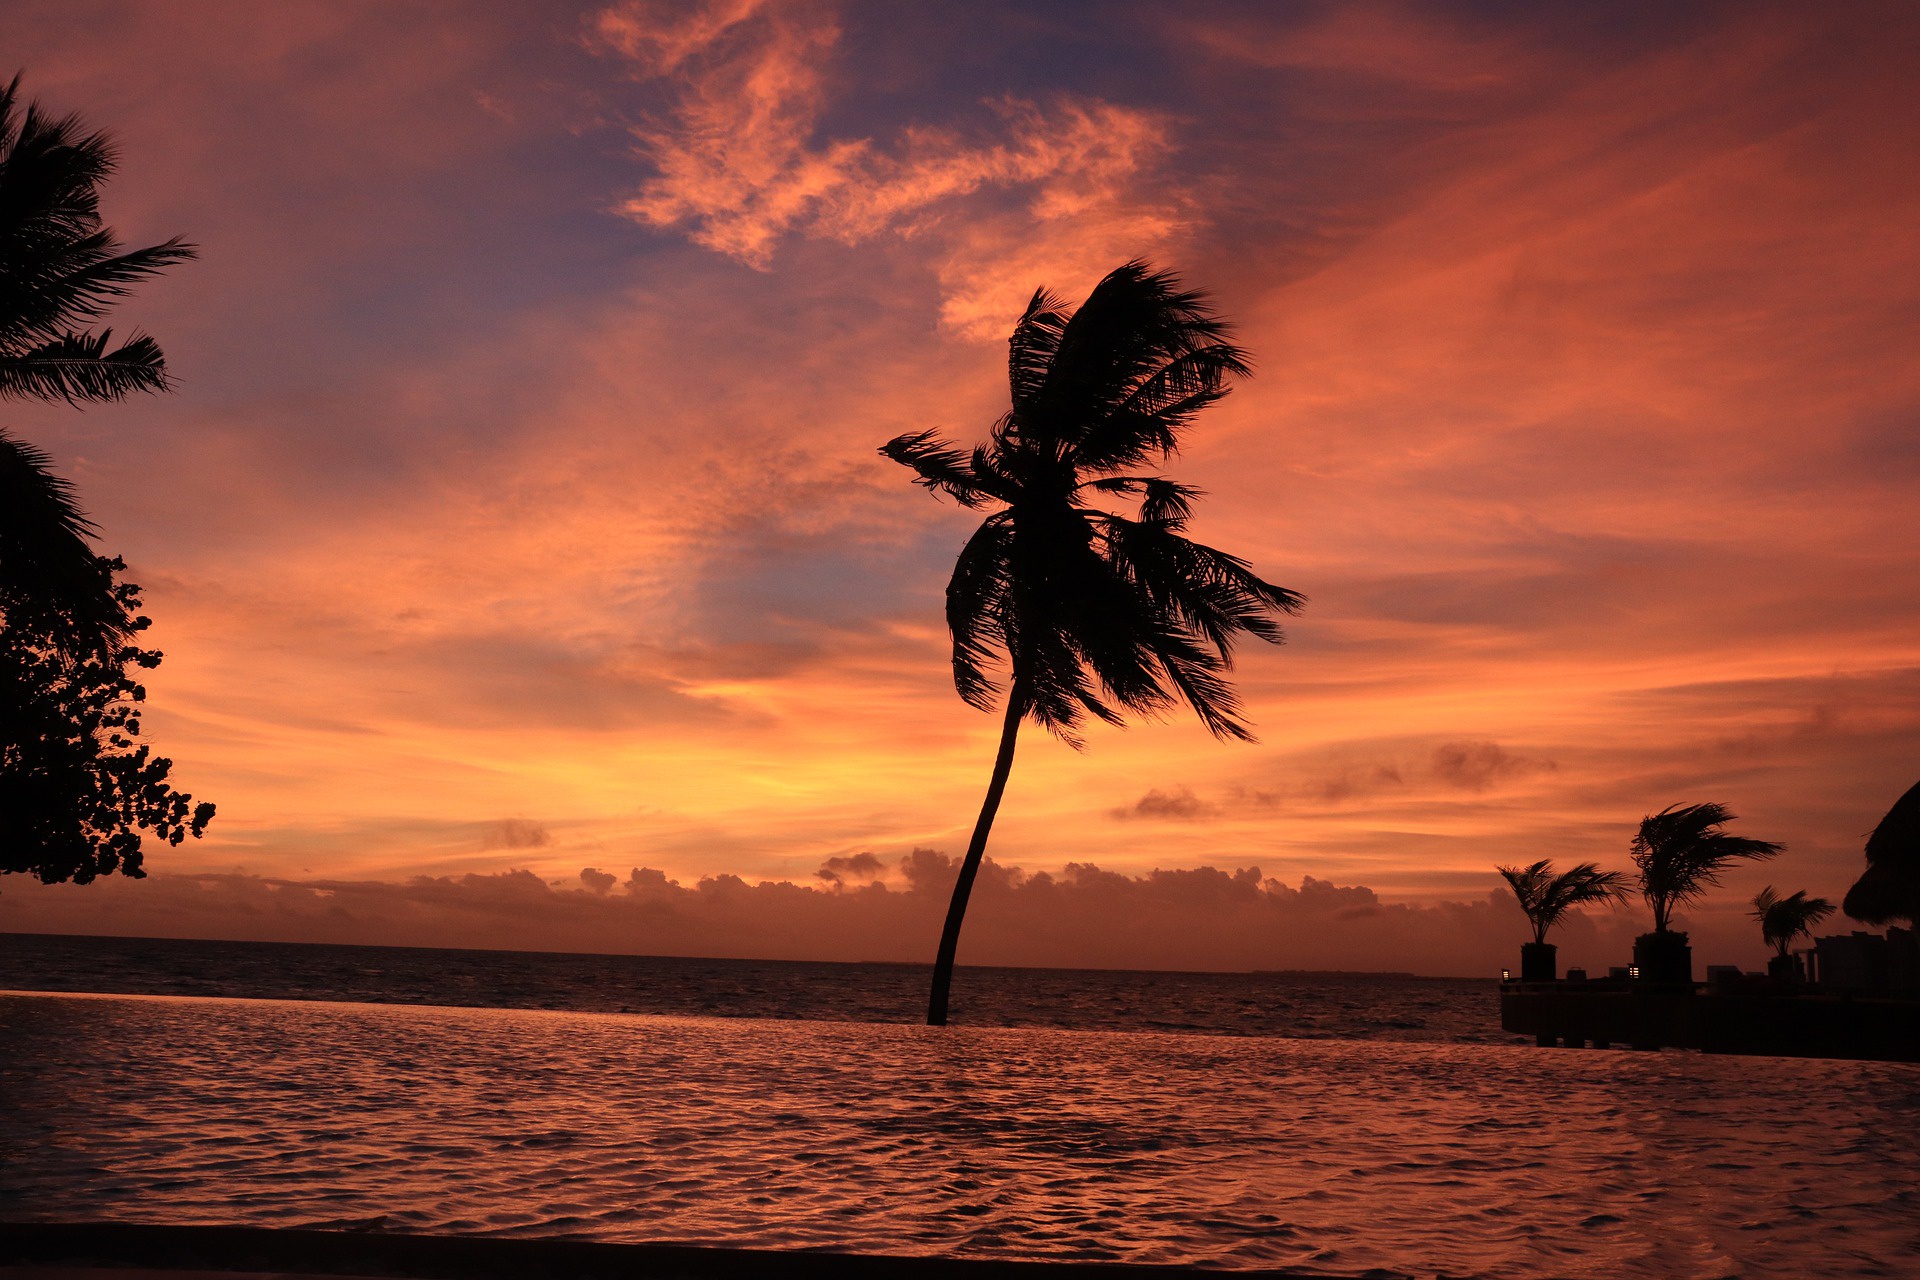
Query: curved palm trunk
x,y
970,867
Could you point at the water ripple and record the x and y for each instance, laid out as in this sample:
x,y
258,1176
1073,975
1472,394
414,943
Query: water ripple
x,y
1028,1143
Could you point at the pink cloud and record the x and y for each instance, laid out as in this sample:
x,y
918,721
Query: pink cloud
x,y
739,166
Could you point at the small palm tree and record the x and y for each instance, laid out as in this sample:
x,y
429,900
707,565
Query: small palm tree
x,y
1547,897
1784,919
1681,852
60,271
1089,612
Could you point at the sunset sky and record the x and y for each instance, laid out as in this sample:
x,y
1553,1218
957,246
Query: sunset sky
x,y
523,559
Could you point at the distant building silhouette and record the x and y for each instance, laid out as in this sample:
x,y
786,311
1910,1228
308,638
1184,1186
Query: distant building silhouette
x,y
1860,961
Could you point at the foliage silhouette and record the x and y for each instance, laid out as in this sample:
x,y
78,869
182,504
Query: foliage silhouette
x,y
1083,611
60,271
50,578
1784,919
1546,897
77,785
1889,889
1681,852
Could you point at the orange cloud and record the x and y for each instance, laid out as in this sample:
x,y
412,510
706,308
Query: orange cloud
x,y
738,163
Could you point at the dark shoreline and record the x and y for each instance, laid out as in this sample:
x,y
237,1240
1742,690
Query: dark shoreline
x,y
83,1246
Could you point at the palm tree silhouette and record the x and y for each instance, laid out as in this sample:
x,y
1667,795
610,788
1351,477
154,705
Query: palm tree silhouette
x,y
1784,919
50,579
1089,612
1546,897
1681,852
60,271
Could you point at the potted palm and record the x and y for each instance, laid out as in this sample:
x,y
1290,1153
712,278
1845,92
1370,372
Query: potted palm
x,y
1680,853
1546,897
1784,919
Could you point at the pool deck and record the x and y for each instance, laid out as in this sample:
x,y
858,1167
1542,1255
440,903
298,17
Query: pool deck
x,y
1602,1013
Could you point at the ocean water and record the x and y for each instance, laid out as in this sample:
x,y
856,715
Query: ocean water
x,y
1333,1121
1027,1142
1303,1005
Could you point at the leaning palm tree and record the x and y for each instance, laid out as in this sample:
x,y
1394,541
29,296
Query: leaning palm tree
x,y
1681,852
1070,609
1784,919
1546,898
60,271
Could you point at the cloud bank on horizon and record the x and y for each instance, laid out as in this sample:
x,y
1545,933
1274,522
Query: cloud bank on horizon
x,y
519,507
866,908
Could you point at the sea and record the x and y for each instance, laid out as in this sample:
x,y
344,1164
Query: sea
x,y
1345,1124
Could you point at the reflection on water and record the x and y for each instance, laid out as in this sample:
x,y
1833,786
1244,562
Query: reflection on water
x,y
1001,1142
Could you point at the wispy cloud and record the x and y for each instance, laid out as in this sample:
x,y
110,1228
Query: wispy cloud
x,y
740,164
1350,774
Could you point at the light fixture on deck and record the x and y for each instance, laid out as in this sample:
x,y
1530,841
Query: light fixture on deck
x,y
1633,971
1506,975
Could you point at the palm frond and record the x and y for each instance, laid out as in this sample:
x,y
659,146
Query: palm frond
x,y
1784,919
60,269
57,289
78,368
1546,898
1147,423
49,573
1681,852
977,609
1135,329
50,171
940,467
1030,351
1208,591
1196,674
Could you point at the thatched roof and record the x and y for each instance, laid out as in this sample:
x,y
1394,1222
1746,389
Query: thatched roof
x,y
1890,889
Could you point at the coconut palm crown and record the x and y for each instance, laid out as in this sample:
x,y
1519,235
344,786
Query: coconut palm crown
x,y
1784,919
61,270
1681,852
1058,604
1546,898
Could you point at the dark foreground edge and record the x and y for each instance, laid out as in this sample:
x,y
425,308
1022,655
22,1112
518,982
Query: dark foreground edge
x,y
358,1253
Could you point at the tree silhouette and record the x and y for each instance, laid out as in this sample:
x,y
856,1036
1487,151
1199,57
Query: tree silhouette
x,y
1073,609
77,786
50,579
60,271
1681,852
1889,889
1784,919
1547,897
